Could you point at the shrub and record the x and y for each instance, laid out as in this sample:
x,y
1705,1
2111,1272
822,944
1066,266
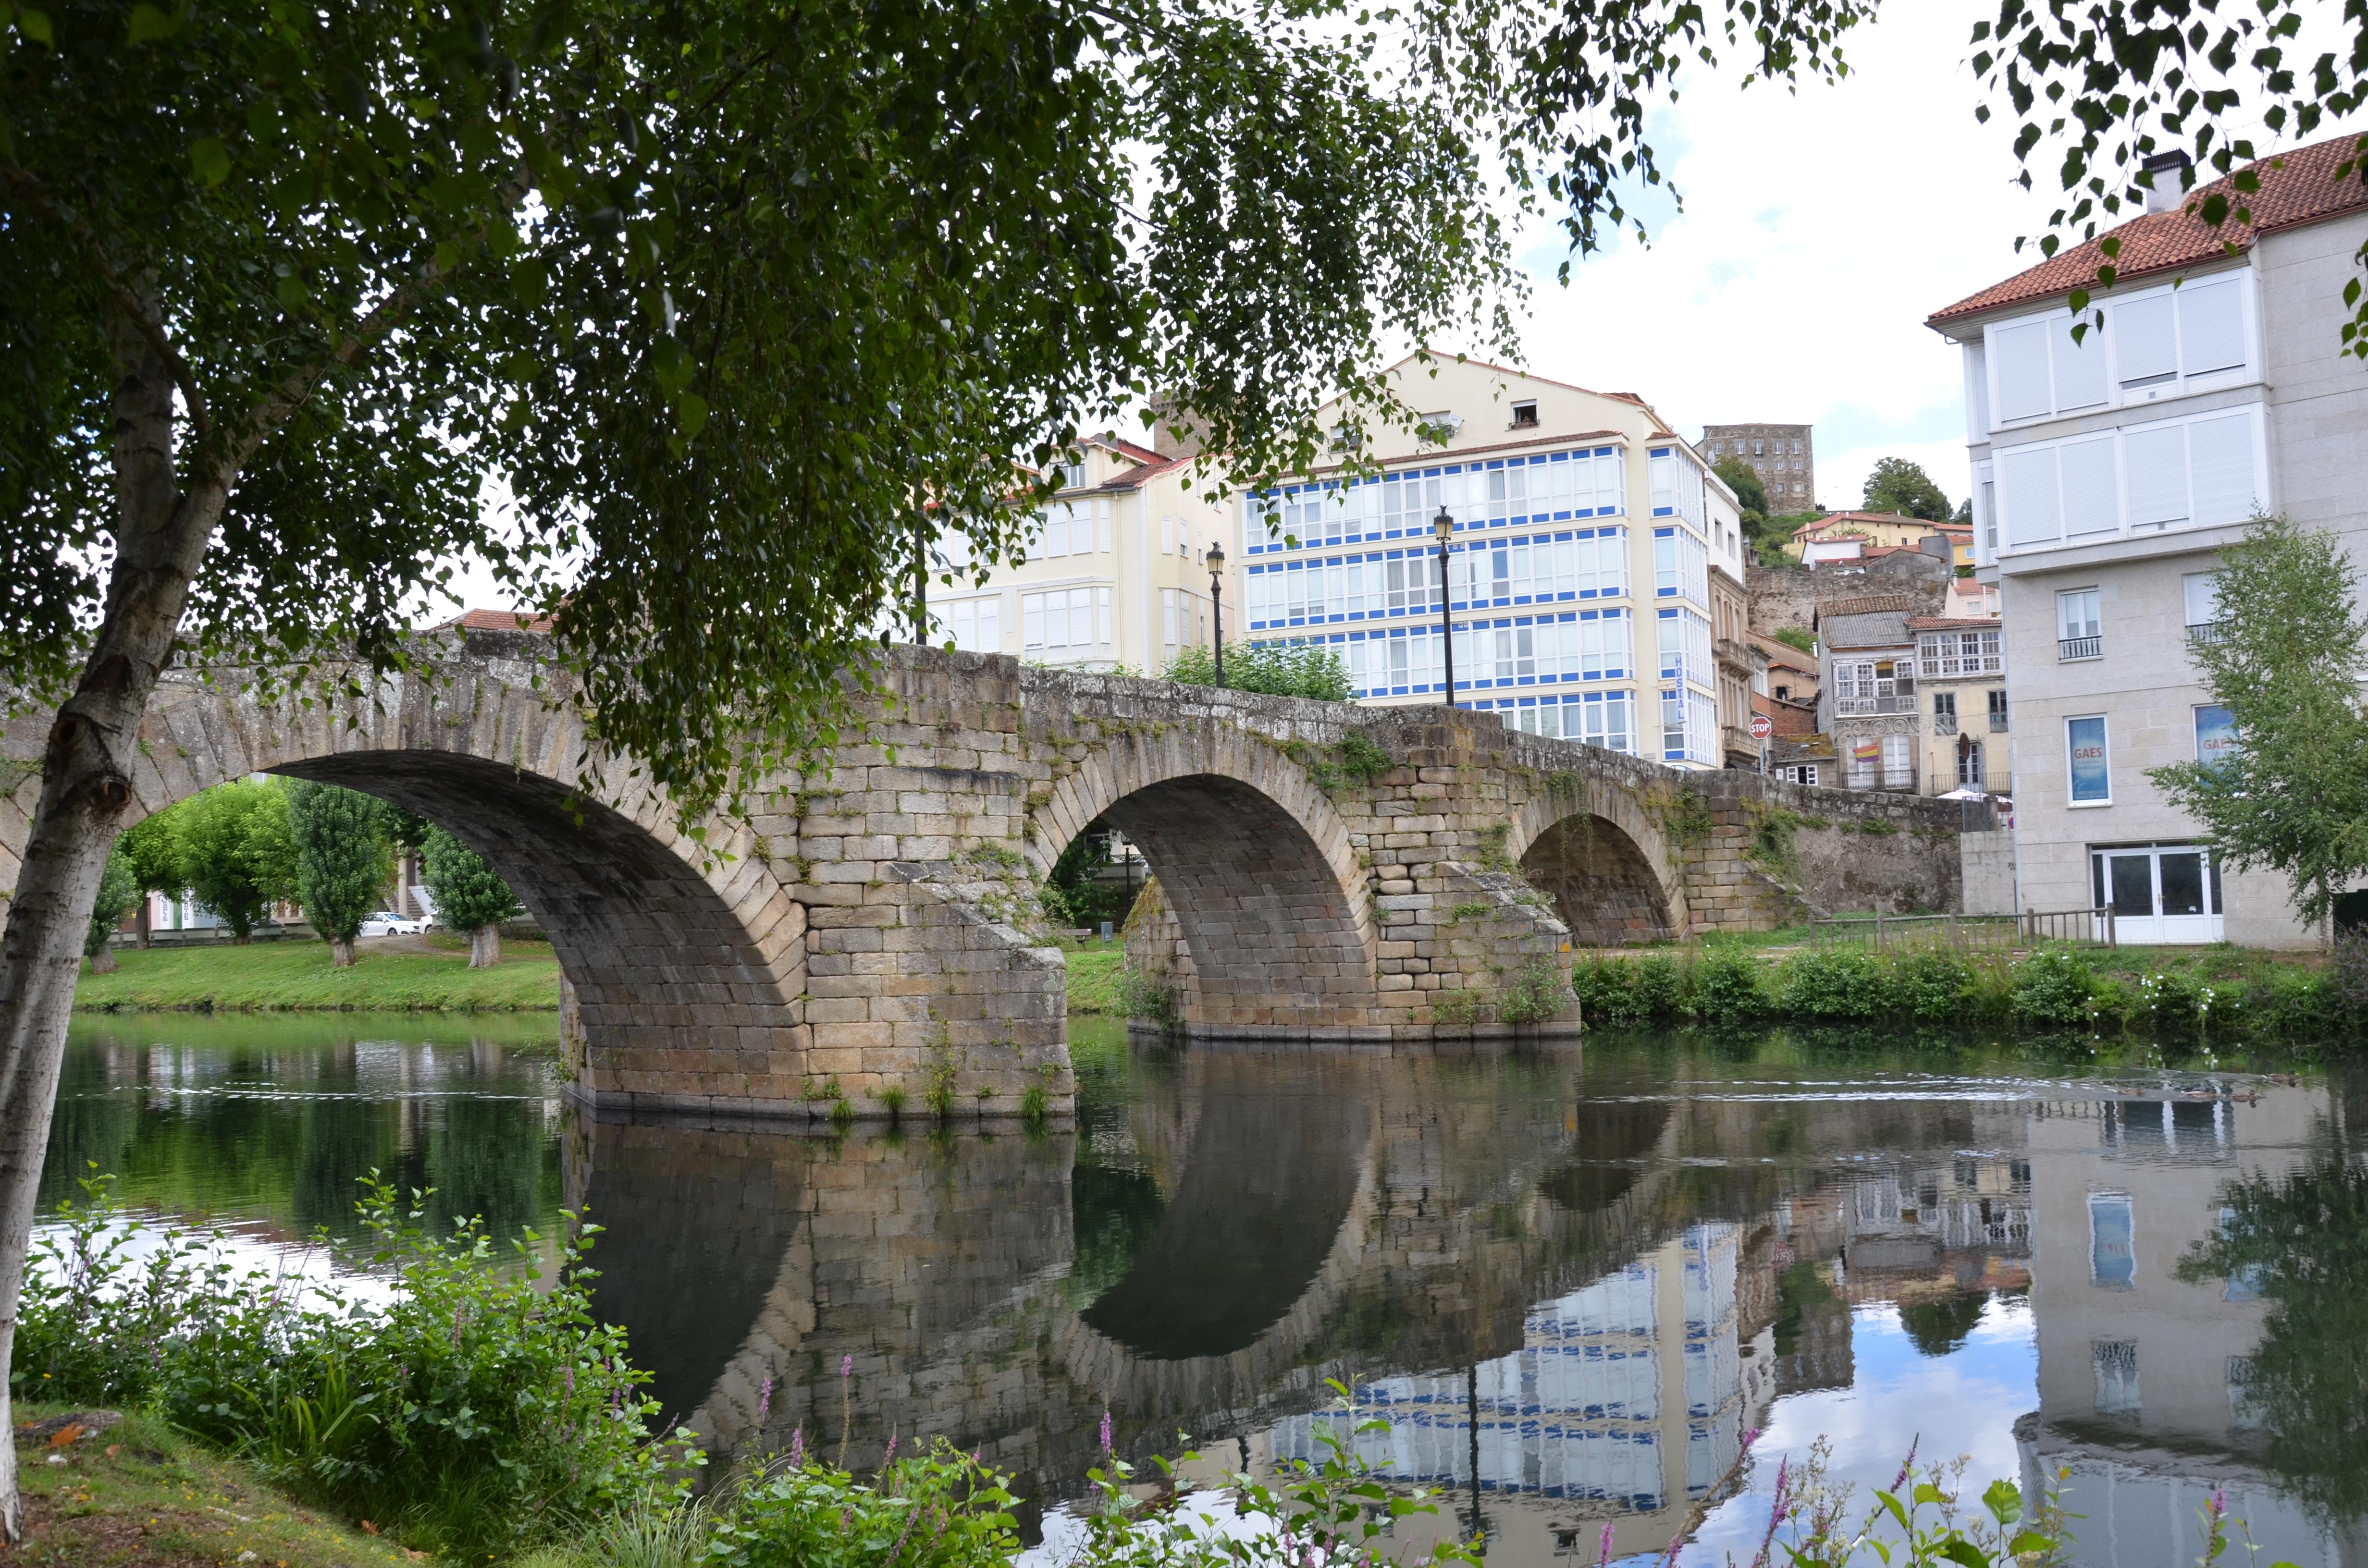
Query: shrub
x,y
1931,986
2285,999
1834,983
2168,999
2052,987
1660,987
1728,989
1149,997
935,1509
1606,989
1535,994
470,1411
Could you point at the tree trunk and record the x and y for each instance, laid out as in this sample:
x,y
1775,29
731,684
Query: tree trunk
x,y
161,534
341,952
484,947
103,961
143,919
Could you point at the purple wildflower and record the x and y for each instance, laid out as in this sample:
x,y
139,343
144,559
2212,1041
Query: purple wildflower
x,y
890,1457
797,1447
1907,1465
846,1366
1775,1510
1106,1431
1603,1545
765,1399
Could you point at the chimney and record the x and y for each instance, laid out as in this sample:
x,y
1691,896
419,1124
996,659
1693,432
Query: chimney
x,y
2165,176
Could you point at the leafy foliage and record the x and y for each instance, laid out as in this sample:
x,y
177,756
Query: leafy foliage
x,y
468,1409
2053,987
1277,669
468,893
2291,648
237,855
342,855
1751,494
152,848
1895,484
119,889
1799,637
2300,1240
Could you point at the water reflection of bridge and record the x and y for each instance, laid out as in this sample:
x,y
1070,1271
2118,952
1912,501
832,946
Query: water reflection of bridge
x,y
1478,1247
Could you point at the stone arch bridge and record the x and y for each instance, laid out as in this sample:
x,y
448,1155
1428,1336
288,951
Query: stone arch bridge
x,y
1328,872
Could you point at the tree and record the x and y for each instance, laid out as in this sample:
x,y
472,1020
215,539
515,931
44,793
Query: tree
x,y
238,856
1749,493
342,860
1798,637
118,886
1898,486
1278,669
2284,658
470,895
152,847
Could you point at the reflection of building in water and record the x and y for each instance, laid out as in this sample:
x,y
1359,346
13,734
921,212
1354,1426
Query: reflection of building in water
x,y
1937,1226
2142,1375
1627,1400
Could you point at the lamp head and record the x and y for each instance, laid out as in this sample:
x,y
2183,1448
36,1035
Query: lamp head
x,y
1444,524
1216,557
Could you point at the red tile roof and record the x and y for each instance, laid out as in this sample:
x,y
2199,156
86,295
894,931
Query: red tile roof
x,y
2296,187
1892,519
1784,652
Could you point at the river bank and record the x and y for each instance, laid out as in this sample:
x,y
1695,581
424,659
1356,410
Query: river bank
x,y
393,974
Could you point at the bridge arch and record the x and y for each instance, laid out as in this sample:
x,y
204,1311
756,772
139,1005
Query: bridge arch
x,y
1257,868
1606,864
679,963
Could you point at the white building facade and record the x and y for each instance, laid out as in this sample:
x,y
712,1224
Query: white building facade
x,y
1578,581
2108,473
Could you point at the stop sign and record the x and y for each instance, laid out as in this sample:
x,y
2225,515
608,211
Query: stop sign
x,y
1761,728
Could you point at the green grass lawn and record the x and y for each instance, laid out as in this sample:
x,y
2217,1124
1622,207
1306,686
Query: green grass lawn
x,y
270,976
1093,980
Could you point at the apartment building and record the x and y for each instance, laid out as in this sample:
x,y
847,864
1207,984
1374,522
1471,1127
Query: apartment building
x,y
2110,471
1783,456
1961,666
1116,574
1594,566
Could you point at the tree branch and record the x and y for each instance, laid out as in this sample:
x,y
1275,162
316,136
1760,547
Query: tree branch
x,y
139,313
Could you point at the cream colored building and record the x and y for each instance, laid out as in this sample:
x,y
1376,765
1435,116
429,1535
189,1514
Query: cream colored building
x,y
1116,574
1588,537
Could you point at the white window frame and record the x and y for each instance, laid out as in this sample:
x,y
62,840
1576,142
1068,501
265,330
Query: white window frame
x,y
2105,733
2018,458
2056,326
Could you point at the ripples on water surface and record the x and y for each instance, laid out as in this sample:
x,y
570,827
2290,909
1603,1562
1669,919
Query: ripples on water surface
x,y
1570,1281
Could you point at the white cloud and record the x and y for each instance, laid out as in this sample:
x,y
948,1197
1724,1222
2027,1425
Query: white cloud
x,y
1820,230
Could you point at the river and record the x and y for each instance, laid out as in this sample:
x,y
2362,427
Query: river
x,y
1571,1281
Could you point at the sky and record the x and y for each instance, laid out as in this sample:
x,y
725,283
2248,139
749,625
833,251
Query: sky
x,y
1820,228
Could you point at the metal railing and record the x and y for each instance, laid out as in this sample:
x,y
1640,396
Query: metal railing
x,y
2070,648
1999,933
2204,633
1946,723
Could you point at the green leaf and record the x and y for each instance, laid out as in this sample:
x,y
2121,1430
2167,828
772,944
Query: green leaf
x,y
1928,1493
1967,1553
2030,1541
2003,1499
690,414
208,157
1891,1503
34,25
149,24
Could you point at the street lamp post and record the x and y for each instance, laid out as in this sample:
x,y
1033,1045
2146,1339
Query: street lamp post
x,y
1217,599
1443,525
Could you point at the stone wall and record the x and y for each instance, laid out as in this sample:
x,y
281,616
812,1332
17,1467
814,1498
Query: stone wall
x,y
1791,596
1988,860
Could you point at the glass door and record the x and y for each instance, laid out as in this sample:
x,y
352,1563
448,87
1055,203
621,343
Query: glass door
x,y
2160,893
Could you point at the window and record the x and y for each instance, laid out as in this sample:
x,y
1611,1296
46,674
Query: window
x,y
1073,474
1525,416
2079,634
1680,565
1798,773
1899,762
2197,473
2085,757
1673,721
2113,1249
1875,686
1945,712
1065,624
1755,449
1171,620
1997,711
1865,752
2041,370
1958,653
2115,1362
1969,764
2202,593
2215,735
1796,452
972,624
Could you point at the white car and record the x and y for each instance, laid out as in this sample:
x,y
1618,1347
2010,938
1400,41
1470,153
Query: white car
x,y
387,923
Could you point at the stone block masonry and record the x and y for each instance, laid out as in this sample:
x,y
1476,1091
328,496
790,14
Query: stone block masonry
x,y
860,941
